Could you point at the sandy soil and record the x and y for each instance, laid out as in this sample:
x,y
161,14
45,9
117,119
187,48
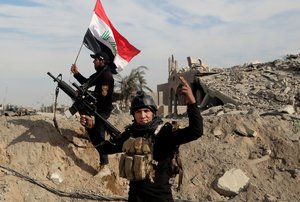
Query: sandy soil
x,y
32,151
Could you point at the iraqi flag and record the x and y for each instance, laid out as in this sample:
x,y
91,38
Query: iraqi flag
x,y
102,36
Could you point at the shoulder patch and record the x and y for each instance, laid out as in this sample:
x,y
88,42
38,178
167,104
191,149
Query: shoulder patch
x,y
104,90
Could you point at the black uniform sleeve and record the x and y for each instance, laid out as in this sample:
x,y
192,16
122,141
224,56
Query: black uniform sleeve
x,y
191,132
110,148
104,93
114,147
81,79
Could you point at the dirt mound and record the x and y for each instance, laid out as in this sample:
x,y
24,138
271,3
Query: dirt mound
x,y
31,146
255,136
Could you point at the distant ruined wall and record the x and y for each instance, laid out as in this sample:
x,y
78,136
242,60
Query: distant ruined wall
x,y
168,92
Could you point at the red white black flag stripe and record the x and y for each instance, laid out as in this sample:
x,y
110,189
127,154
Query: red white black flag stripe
x,y
102,36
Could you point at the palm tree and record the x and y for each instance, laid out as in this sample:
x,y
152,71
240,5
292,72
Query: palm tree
x,y
128,85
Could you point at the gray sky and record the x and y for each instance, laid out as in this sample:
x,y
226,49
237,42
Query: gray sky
x,y
38,36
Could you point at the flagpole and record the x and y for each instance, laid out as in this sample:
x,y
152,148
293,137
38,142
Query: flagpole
x,y
76,60
78,53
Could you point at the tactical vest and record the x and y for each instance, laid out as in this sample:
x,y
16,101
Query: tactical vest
x,y
137,163
176,166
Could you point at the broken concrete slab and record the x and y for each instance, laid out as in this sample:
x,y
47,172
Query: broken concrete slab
x,y
232,182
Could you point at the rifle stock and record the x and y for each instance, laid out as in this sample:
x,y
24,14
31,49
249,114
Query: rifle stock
x,y
84,102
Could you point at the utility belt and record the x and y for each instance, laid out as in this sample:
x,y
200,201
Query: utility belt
x,y
136,163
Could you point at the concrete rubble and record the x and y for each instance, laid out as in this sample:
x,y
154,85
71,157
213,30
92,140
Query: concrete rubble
x,y
232,182
267,87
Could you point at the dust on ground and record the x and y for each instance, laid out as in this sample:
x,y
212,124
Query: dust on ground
x,y
39,164
31,146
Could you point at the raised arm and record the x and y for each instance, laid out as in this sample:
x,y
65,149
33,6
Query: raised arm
x,y
195,128
81,79
186,91
74,69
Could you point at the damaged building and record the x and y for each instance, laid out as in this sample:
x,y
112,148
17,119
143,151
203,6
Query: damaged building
x,y
265,87
169,100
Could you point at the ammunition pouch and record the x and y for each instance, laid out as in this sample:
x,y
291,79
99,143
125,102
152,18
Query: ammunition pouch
x,y
136,163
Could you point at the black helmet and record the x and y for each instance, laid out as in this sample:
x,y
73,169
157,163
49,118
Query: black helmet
x,y
142,100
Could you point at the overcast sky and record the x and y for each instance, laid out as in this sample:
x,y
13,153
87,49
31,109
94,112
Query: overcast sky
x,y
38,36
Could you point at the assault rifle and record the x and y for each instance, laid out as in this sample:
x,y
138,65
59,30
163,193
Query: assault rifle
x,y
84,102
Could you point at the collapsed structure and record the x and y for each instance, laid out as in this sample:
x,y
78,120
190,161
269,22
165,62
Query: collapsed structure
x,y
267,87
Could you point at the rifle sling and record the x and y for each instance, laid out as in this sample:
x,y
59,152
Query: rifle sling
x,y
56,123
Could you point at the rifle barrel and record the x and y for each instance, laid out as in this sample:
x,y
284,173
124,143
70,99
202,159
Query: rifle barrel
x,y
81,104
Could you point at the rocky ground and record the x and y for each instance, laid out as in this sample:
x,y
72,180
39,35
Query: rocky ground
x,y
246,154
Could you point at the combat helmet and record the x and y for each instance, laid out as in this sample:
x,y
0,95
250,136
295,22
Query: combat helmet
x,y
142,100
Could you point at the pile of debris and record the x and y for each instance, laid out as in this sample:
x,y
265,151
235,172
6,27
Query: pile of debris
x,y
271,87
